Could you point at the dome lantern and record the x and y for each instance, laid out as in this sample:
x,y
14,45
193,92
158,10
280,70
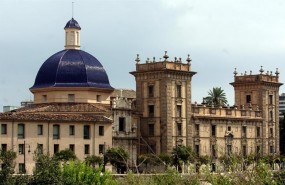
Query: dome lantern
x,y
72,34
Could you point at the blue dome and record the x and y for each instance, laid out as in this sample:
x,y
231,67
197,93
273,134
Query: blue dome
x,y
72,24
72,68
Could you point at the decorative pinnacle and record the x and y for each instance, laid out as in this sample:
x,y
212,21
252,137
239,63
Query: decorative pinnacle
x,y
245,73
153,59
165,56
277,72
147,60
188,59
261,70
235,72
138,59
250,72
175,59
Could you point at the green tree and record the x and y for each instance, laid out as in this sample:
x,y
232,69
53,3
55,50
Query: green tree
x,y
216,96
79,173
47,171
92,160
65,155
7,161
118,158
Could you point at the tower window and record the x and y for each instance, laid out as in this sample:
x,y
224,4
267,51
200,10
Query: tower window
x,y
257,149
271,148
122,124
213,130
243,134
257,131
178,91
151,129
270,132
44,98
214,151
270,99
271,115
197,129
197,150
98,98
179,129
150,91
244,150
229,128
151,110
179,110
248,99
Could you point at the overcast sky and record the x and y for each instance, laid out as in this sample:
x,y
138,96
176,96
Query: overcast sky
x,y
219,35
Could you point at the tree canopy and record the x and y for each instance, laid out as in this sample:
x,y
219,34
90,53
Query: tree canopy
x,y
216,96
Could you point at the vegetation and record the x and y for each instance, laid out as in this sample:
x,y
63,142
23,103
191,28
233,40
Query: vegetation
x,y
216,97
238,170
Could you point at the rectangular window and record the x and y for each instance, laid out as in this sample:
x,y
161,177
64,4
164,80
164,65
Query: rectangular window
x,y
229,149
56,132
197,150
22,168
271,115
122,126
44,98
151,129
71,98
151,110
178,91
40,148
72,147
86,149
271,148
244,150
229,128
257,131
179,129
270,132
270,99
257,149
243,134
214,150
4,147
179,110
21,149
40,129
71,130
101,130
213,167
213,130
98,98
3,129
21,131
101,149
55,148
150,91
197,129
86,132
248,99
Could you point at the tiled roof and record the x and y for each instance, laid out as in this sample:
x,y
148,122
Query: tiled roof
x,y
56,112
72,23
128,93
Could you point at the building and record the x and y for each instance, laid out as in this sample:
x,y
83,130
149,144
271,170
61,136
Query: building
x,y
71,107
168,119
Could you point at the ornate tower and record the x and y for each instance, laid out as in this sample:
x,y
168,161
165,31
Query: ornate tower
x,y
261,91
163,91
72,34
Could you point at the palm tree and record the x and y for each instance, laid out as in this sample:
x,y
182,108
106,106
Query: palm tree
x,y
217,97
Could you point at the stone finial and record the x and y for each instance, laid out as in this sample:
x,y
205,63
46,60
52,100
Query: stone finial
x,y
235,72
245,73
270,73
250,72
153,59
159,59
147,60
261,70
188,59
267,73
165,56
277,72
180,60
175,59
138,59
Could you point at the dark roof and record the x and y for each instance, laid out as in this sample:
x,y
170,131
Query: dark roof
x,y
72,68
56,112
72,23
